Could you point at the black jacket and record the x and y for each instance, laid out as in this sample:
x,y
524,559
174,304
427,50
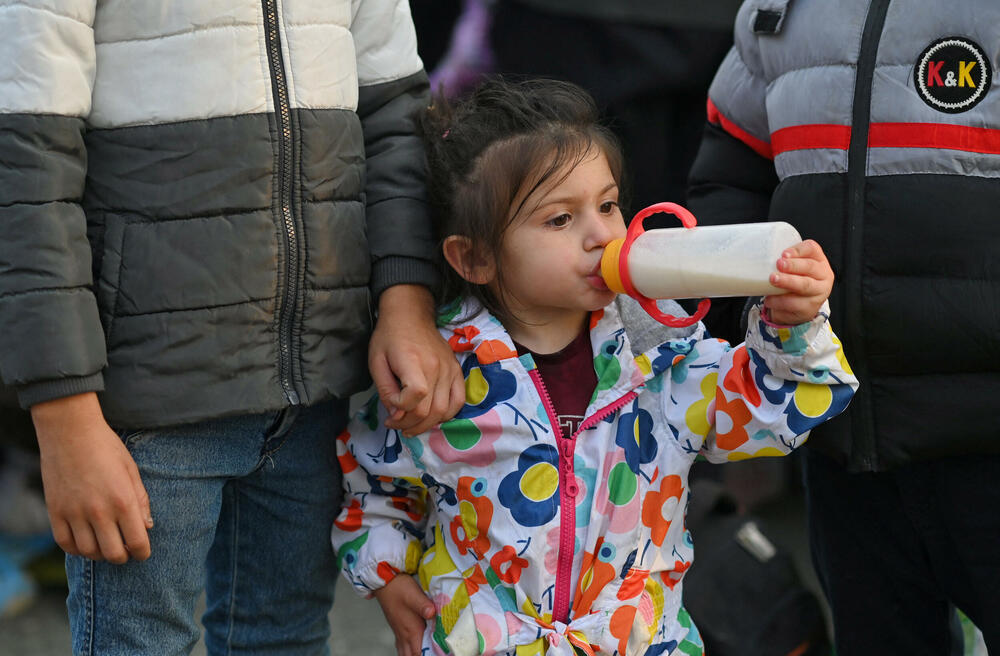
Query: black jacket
x,y
874,128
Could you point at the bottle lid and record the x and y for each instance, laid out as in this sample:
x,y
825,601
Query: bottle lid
x,y
610,270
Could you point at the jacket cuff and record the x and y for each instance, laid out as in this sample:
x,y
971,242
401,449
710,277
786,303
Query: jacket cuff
x,y
48,390
399,270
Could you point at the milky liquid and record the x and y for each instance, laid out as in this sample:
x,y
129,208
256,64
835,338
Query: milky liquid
x,y
709,261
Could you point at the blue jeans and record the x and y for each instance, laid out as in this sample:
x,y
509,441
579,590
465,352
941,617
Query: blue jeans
x,y
243,508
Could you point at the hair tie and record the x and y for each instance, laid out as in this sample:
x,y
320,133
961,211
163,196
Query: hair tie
x,y
444,135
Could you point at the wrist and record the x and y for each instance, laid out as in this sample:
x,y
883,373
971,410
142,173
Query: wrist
x,y
406,299
58,415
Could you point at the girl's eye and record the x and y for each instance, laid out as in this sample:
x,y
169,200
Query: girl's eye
x,y
607,207
559,221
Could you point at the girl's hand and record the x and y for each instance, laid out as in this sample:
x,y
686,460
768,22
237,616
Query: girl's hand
x,y
805,272
407,610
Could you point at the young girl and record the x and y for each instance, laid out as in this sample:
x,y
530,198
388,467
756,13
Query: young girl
x,y
548,516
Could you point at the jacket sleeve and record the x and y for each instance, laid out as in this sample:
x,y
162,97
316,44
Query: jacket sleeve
x,y
51,339
733,175
393,89
379,532
762,397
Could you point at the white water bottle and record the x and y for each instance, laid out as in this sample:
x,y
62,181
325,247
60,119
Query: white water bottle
x,y
694,262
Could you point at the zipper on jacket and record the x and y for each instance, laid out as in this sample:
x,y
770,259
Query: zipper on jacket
x,y
567,492
863,426
285,310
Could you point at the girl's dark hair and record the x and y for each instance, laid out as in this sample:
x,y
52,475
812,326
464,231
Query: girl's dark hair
x,y
493,149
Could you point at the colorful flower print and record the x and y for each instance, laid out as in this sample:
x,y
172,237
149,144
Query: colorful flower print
x,y
675,355
596,571
467,440
813,404
532,492
607,366
507,565
735,435
586,480
634,434
352,521
740,378
345,458
671,577
470,527
660,506
617,496
486,385
762,376
696,416
552,550
347,554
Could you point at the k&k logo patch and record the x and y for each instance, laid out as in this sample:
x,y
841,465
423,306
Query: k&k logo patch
x,y
953,74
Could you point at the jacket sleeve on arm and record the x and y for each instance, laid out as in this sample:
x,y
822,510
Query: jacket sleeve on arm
x,y
762,397
382,521
51,340
776,387
393,89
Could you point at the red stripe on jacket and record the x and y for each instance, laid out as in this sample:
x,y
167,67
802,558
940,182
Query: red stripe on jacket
x,y
880,135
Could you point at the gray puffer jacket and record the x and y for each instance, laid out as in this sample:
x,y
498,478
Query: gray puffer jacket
x,y
199,198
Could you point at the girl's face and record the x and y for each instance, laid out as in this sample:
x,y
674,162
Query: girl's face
x,y
550,256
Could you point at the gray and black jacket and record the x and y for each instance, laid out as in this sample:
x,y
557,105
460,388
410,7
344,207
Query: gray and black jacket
x,y
874,127
199,198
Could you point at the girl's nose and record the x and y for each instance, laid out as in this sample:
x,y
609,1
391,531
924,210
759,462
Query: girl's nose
x,y
600,231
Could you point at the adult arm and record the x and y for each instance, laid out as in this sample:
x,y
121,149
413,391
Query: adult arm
x,y
414,370
53,343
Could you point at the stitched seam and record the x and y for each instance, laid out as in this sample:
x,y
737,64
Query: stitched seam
x,y
45,10
39,203
232,576
155,37
225,212
76,289
90,606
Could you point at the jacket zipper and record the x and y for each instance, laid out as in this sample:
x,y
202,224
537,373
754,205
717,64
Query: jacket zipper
x,y
285,310
568,491
863,426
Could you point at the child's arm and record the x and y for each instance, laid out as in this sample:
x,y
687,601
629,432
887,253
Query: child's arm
x,y
406,609
379,531
761,397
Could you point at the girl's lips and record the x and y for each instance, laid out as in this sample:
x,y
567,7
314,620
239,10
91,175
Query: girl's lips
x,y
597,282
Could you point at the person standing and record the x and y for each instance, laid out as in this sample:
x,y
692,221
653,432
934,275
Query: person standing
x,y
874,128
201,206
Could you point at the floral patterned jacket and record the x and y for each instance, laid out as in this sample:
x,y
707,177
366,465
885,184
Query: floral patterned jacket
x,y
530,543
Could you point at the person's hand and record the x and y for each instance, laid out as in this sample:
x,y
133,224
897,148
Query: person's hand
x,y
97,503
415,372
805,272
407,610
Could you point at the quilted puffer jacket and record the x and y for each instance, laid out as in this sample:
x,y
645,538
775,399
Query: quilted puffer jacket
x,y
530,542
198,199
873,126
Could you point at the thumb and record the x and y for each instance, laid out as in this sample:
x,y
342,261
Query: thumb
x,y
418,601
142,496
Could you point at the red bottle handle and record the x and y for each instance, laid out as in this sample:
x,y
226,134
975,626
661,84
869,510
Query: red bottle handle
x,y
635,228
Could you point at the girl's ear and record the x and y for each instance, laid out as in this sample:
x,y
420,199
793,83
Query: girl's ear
x,y
470,263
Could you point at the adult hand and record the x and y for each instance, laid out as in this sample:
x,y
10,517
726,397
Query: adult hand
x,y
97,504
804,271
407,610
415,372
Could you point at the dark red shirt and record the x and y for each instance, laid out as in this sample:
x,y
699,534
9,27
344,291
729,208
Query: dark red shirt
x,y
569,378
